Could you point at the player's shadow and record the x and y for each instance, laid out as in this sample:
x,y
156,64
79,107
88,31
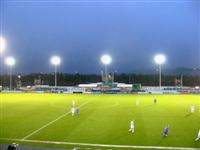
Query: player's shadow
x,y
148,106
197,144
188,115
161,140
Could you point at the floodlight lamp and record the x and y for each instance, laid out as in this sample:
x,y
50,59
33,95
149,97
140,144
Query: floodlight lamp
x,y
106,59
2,44
55,60
10,61
160,59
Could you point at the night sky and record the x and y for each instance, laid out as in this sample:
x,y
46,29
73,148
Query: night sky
x,y
132,32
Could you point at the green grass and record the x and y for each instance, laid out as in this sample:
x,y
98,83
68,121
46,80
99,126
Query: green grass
x,y
104,119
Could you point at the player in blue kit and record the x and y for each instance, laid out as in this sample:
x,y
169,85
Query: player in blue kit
x,y
166,131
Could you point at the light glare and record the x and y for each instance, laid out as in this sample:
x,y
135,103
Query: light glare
x,y
106,59
160,59
2,44
10,61
55,60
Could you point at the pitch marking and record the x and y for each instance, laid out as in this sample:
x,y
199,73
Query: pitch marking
x,y
101,145
34,132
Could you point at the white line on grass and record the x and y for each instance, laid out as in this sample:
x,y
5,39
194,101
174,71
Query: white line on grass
x,y
101,145
34,132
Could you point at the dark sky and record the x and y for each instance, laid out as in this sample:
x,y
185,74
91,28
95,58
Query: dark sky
x,y
80,32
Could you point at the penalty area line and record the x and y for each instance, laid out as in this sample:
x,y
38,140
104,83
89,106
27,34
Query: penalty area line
x,y
100,145
51,122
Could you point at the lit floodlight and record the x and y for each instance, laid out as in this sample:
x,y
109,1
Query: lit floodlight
x,y
2,44
160,59
106,59
10,61
55,60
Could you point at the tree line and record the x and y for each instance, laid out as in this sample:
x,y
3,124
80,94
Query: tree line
x,y
64,79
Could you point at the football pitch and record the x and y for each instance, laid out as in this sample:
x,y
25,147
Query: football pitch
x,y
103,123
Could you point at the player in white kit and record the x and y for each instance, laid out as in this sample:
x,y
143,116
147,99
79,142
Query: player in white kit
x,y
137,103
73,103
73,111
198,136
192,109
132,126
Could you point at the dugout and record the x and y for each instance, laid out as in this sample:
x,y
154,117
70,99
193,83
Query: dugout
x,y
137,87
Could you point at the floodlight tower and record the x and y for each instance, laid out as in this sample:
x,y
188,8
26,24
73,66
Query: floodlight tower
x,y
55,60
3,44
106,60
10,61
160,59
